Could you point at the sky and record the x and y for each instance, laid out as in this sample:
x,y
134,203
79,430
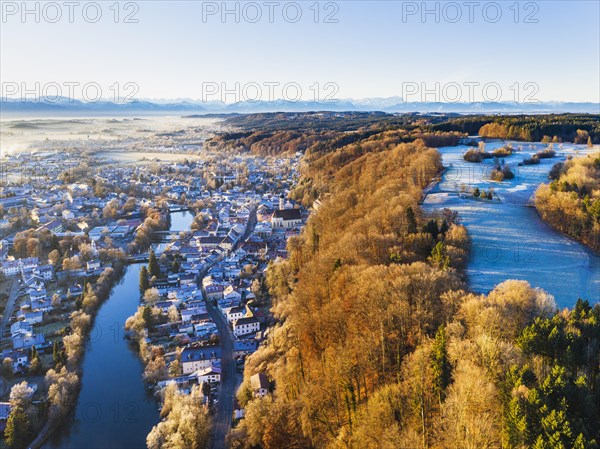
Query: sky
x,y
234,51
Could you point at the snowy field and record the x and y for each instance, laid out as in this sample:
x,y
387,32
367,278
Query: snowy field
x,y
509,241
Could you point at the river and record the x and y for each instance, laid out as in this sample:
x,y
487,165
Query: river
x,y
115,410
181,221
509,240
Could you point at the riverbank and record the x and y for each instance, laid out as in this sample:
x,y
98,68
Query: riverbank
x,y
570,203
509,239
112,402
102,291
97,297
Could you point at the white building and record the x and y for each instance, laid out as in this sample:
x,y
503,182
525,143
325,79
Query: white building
x,y
260,385
231,294
20,328
286,218
32,317
235,313
13,267
245,326
37,294
210,374
67,215
199,358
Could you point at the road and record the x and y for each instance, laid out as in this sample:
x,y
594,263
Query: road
x,y
8,311
224,410
10,305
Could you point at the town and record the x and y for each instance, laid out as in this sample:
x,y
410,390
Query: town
x,y
200,229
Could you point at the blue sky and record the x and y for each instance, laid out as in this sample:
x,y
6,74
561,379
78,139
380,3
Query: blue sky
x,y
371,49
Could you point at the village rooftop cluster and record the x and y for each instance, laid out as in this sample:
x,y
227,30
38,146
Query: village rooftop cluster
x,y
70,222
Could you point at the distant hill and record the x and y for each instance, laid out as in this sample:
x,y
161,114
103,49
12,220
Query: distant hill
x,y
65,106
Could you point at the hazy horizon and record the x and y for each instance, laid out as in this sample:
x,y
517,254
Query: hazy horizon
x,y
233,51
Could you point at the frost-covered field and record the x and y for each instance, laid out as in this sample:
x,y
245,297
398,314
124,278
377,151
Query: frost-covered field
x,y
509,241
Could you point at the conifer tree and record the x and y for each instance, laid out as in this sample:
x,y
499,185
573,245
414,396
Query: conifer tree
x,y
153,267
144,283
440,364
18,429
411,220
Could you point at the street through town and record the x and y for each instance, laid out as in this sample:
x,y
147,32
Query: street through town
x,y
224,408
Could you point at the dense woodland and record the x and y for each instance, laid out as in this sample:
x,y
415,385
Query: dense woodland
x,y
275,133
571,202
576,128
380,345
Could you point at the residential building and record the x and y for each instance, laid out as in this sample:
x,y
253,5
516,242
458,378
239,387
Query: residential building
x,y
260,385
198,358
245,326
211,374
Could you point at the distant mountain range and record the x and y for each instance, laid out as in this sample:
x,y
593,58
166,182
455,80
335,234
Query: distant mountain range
x,y
65,106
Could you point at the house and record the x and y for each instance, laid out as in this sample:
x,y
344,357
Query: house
x,y
193,313
227,242
164,306
55,227
74,290
263,230
243,212
34,282
238,411
185,328
20,359
183,383
231,294
187,279
165,285
13,267
260,385
197,358
37,295
242,348
27,341
286,218
210,374
235,313
32,317
245,326
20,328
68,215
46,272
214,291
208,241
43,306
205,329
13,201
187,314
93,265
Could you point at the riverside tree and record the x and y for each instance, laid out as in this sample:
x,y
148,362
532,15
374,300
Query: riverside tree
x,y
18,429
153,267
144,282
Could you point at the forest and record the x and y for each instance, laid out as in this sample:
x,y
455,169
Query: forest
x,y
269,134
379,344
275,133
571,202
576,128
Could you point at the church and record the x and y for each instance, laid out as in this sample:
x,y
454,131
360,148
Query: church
x,y
285,218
